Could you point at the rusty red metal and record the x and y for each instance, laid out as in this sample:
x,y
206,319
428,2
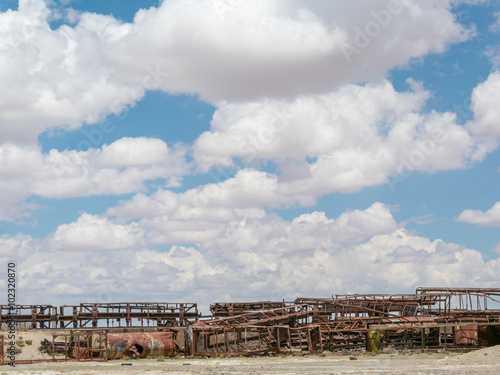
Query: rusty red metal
x,y
128,314
432,318
141,344
86,315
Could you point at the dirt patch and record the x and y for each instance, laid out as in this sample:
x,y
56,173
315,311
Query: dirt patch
x,y
486,361
383,364
487,355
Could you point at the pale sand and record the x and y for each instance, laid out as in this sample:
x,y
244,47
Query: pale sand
x,y
486,361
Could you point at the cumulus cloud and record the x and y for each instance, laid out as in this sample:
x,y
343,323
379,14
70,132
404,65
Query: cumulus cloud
x,y
489,218
497,249
94,233
300,44
486,111
118,168
170,218
354,137
248,189
56,78
74,75
320,262
281,74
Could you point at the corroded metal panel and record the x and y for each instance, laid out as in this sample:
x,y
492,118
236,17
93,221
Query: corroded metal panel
x,y
141,344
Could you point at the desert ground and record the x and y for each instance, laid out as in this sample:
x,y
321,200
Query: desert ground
x,y
485,361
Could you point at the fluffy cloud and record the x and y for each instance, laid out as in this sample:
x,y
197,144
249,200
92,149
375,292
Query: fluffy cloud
x,y
94,233
55,78
170,218
305,257
355,137
485,107
121,167
281,74
304,46
63,77
490,218
249,188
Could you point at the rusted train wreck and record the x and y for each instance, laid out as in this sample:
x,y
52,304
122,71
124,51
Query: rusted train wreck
x,y
430,319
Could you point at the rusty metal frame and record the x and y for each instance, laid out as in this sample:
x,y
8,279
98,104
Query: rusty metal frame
x,y
124,314
39,316
93,315
432,318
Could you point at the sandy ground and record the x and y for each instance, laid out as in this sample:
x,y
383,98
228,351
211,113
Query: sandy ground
x,y
486,361
289,365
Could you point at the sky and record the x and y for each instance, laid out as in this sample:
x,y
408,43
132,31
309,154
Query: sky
x,y
231,150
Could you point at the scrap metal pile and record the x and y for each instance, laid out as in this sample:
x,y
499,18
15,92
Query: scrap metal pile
x,y
431,319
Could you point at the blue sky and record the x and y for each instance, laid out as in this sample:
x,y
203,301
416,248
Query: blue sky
x,y
234,150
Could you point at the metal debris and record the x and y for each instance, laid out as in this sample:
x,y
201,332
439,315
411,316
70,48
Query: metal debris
x,y
430,319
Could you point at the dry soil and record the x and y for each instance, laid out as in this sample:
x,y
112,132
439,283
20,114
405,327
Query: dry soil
x,y
486,361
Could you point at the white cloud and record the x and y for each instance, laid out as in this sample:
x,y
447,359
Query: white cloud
x,y
249,188
490,218
170,218
281,76
9,245
485,107
94,233
497,249
300,44
493,52
26,171
360,251
495,27
354,137
55,78
63,77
